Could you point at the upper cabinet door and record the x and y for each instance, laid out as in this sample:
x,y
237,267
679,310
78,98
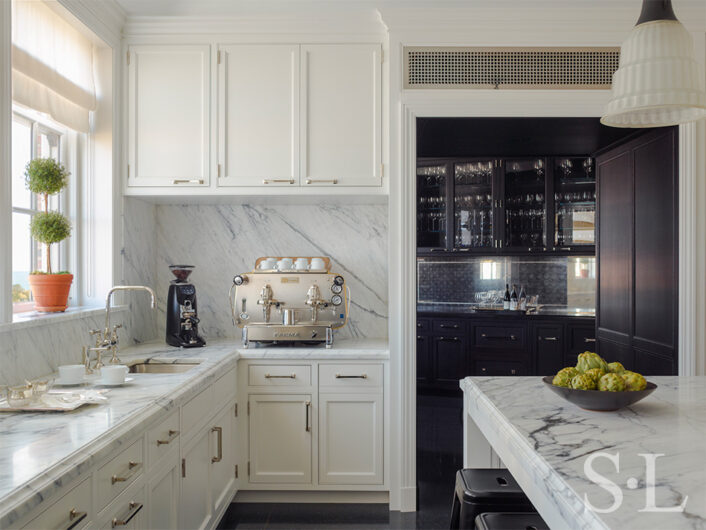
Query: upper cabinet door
x,y
258,113
168,115
341,115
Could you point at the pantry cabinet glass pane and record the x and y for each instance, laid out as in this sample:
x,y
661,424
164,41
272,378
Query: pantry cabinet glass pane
x,y
524,203
473,204
574,202
431,206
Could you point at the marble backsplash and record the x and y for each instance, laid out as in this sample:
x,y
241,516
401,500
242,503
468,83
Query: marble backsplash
x,y
224,240
35,349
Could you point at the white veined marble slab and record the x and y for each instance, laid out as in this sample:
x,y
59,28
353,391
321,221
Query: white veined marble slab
x,y
544,441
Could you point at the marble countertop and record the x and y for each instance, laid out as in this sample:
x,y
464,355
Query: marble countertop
x,y
470,309
40,452
545,442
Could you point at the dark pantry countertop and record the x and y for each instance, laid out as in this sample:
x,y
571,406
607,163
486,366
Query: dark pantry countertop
x,y
463,310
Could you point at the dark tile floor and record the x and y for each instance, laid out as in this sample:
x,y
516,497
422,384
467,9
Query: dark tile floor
x,y
439,440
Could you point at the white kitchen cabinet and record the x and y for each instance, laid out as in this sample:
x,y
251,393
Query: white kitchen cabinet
x,y
280,439
341,128
350,438
258,128
169,122
127,512
196,507
163,494
73,510
223,458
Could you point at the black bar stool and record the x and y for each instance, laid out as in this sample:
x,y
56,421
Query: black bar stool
x,y
485,490
510,521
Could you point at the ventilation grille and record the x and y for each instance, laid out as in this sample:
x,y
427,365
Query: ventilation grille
x,y
577,68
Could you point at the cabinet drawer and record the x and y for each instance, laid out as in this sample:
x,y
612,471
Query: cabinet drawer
x,y
74,508
500,337
279,375
499,368
162,438
582,339
347,376
224,388
128,511
119,473
448,326
195,411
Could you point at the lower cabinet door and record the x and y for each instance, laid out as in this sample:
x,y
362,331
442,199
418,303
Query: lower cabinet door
x,y
550,351
223,450
350,439
163,495
280,438
450,358
195,506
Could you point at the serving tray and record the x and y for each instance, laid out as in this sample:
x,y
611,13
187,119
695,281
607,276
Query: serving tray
x,y
59,401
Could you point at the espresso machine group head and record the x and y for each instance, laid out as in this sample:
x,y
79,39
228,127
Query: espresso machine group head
x,y
182,315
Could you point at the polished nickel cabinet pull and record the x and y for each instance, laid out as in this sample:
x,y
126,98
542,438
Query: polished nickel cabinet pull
x,y
307,425
501,337
187,181
75,517
448,326
589,340
548,338
322,181
218,458
133,469
172,435
361,376
291,376
278,181
132,512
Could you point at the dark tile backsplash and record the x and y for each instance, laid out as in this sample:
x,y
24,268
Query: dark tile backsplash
x,y
556,280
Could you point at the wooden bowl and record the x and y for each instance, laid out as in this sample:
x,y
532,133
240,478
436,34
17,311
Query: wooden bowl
x,y
597,400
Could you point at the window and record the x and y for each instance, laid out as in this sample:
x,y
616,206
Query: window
x,y
32,139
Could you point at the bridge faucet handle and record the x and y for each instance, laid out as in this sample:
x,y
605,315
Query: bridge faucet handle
x,y
98,333
114,335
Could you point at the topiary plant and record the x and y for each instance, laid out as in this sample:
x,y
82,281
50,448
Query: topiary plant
x,y
45,176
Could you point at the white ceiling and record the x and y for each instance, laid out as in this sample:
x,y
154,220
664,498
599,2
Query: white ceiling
x,y
210,8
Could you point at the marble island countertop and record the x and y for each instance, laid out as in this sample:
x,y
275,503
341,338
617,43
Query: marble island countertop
x,y
546,442
39,452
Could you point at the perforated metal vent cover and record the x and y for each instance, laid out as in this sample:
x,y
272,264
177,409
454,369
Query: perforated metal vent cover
x,y
519,68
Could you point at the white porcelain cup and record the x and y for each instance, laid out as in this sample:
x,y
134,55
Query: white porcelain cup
x,y
114,374
301,264
285,264
71,374
268,264
317,264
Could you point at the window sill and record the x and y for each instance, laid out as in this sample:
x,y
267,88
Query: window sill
x,y
33,318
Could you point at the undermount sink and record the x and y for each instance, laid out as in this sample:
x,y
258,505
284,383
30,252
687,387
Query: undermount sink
x,y
159,368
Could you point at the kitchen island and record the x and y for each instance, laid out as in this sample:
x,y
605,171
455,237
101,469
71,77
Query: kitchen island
x,y
548,443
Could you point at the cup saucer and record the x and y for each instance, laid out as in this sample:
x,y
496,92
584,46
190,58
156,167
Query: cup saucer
x,y
101,382
59,382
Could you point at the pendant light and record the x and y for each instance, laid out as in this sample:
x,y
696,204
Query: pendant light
x,y
659,82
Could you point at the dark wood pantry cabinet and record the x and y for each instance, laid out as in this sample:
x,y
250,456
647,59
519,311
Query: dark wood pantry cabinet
x,y
637,252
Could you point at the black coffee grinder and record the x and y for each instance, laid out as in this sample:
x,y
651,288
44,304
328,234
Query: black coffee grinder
x,y
182,320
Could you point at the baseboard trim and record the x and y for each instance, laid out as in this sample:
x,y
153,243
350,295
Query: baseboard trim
x,y
408,499
347,497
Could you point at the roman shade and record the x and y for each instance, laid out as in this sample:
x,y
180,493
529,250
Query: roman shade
x,y
52,65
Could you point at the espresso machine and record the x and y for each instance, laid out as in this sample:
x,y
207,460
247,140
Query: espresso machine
x,y
289,300
182,319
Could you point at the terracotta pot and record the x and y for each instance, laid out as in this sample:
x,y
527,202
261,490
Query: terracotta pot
x,y
50,291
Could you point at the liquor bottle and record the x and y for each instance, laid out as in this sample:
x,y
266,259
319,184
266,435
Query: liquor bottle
x,y
523,298
506,298
513,298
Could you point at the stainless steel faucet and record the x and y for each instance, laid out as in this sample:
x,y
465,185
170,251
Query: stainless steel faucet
x,y
108,338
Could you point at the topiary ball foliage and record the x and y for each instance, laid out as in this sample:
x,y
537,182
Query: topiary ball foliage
x,y
50,227
45,176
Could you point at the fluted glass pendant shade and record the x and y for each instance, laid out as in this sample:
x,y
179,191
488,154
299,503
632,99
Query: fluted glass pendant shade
x,y
658,82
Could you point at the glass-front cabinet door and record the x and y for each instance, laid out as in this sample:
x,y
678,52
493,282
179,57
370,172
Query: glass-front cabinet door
x,y
574,203
474,205
432,226
523,203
